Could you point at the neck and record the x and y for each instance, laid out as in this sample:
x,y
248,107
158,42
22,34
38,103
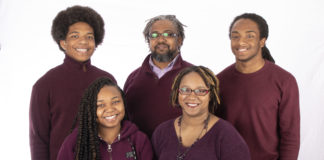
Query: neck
x,y
194,121
109,134
250,66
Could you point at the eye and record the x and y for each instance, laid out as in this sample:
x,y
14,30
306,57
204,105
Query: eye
x,y
90,37
101,105
166,34
115,102
201,92
250,36
185,90
234,37
154,35
74,36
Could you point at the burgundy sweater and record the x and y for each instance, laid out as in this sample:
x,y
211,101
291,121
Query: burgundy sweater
x,y
147,96
121,149
264,107
221,142
54,104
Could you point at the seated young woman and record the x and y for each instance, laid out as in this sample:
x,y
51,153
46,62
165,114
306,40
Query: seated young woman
x,y
103,131
198,133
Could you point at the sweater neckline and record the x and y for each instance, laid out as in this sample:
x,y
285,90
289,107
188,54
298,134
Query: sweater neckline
x,y
71,63
260,71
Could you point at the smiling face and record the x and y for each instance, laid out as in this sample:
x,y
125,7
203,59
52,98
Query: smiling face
x,y
164,49
193,105
110,110
245,41
79,43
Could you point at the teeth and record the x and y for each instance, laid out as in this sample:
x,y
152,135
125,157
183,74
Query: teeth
x,y
110,117
81,50
192,105
242,50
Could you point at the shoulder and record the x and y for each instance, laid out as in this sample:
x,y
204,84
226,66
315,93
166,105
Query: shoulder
x,y
101,72
282,76
45,80
67,148
228,71
163,129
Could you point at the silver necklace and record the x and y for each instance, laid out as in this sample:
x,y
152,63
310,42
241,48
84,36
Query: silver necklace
x,y
181,156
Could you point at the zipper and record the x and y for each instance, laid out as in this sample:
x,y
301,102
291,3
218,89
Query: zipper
x,y
109,149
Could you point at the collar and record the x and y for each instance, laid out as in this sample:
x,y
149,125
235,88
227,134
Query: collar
x,y
160,72
71,63
177,63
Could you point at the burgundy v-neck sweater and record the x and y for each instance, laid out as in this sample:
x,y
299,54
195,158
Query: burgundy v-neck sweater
x,y
147,96
54,104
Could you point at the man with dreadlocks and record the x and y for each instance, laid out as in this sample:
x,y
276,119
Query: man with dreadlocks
x,y
56,95
260,98
147,88
104,131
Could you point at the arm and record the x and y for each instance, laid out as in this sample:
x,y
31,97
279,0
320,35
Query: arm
x,y
39,124
289,121
145,151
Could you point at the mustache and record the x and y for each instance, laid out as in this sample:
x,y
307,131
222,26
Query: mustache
x,y
161,44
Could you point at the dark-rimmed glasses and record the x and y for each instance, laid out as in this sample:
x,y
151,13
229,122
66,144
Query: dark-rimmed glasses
x,y
156,35
198,92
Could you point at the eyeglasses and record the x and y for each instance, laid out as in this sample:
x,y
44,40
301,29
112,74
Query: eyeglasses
x,y
198,92
164,35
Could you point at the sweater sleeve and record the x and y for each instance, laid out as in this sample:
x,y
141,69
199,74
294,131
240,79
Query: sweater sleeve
x,y
39,123
145,149
66,151
289,121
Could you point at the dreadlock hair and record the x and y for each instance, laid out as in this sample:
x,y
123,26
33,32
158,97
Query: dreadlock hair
x,y
171,18
74,14
263,28
210,80
87,146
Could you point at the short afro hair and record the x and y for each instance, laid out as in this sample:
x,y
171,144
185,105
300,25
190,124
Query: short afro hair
x,y
74,14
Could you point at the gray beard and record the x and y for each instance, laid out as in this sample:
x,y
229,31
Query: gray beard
x,y
163,57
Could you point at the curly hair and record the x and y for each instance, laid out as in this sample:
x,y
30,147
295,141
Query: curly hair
x,y
87,146
74,14
171,18
263,28
210,80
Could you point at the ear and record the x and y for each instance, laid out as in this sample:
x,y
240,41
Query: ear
x,y
63,44
179,40
263,42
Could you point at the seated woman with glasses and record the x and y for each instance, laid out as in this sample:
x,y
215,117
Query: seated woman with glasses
x,y
198,133
103,131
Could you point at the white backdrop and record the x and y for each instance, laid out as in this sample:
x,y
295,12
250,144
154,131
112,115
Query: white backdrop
x,y
27,51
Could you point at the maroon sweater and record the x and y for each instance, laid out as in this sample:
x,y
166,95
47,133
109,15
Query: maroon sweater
x,y
147,96
121,149
264,107
221,142
54,104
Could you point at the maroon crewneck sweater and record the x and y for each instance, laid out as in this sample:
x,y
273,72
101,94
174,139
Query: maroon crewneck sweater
x,y
264,107
147,96
54,104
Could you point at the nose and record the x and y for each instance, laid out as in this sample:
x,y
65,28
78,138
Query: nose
x,y
83,40
242,41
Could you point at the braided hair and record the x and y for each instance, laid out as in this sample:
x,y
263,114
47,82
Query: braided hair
x,y
263,28
87,146
210,80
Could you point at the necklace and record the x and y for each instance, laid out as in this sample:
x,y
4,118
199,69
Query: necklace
x,y
181,156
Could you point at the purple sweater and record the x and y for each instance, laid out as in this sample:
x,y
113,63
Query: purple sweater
x,y
147,96
221,142
264,107
54,104
120,149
